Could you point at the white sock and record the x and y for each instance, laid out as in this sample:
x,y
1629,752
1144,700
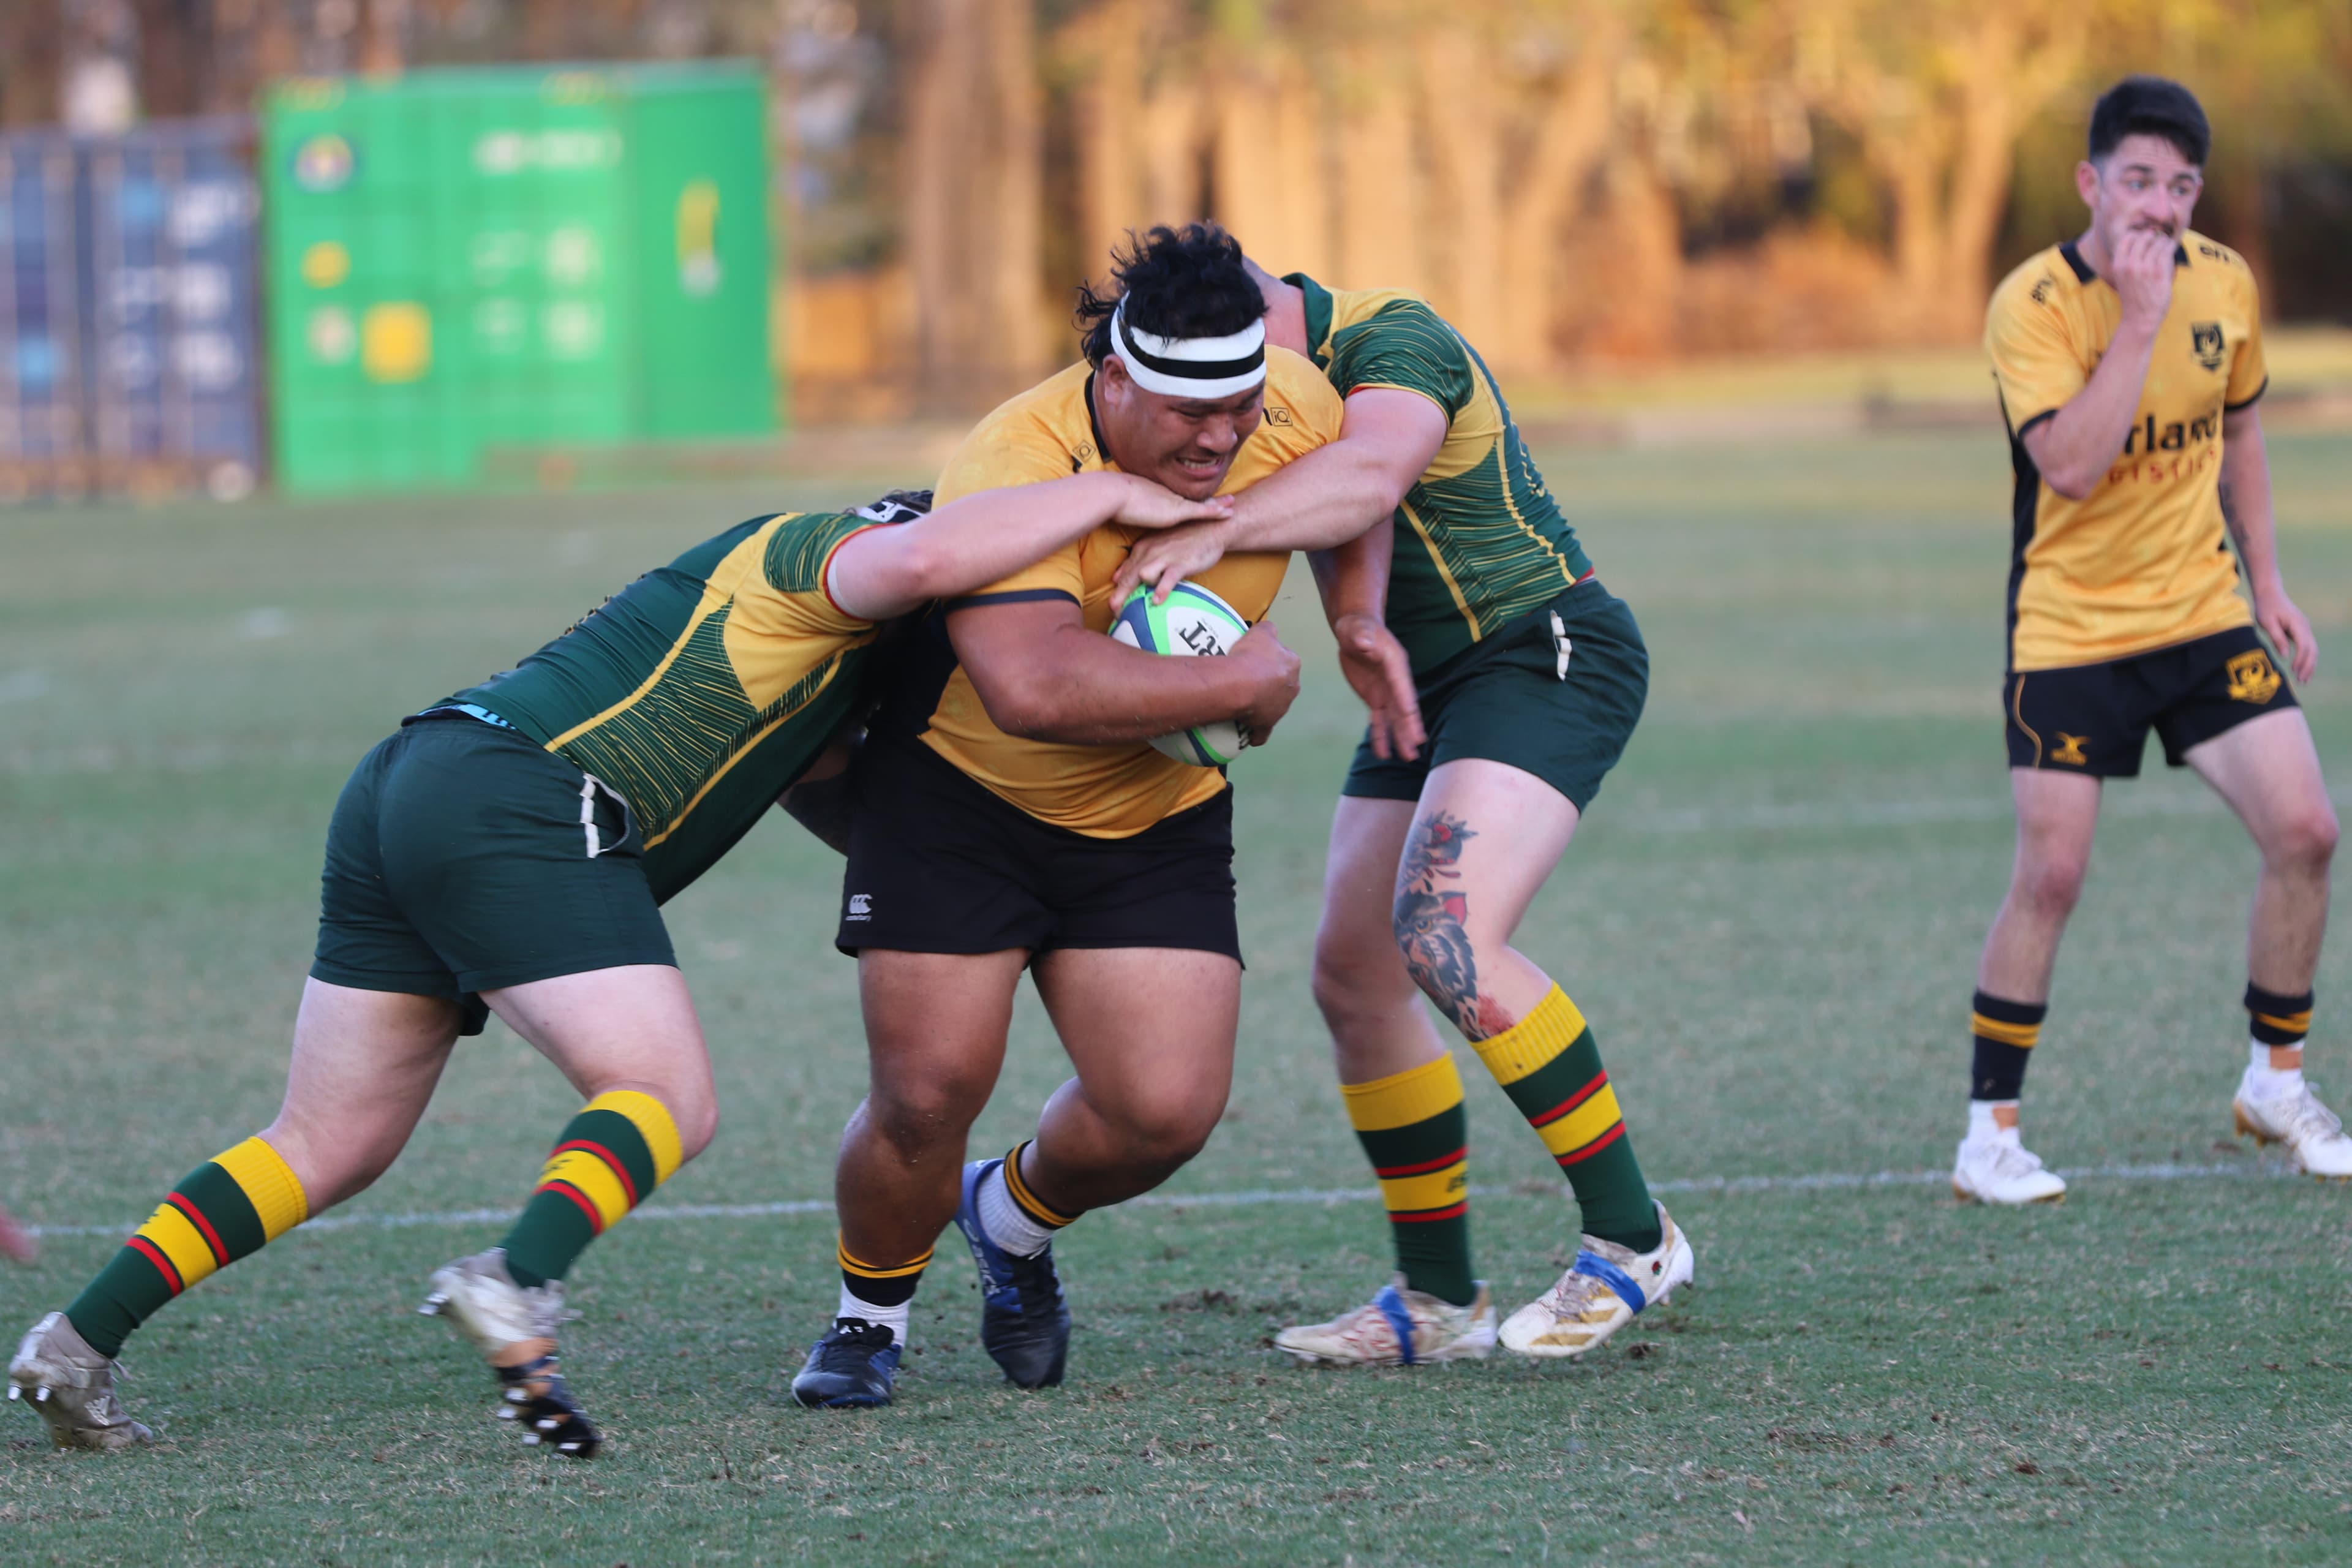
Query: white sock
x,y
1983,1128
2264,1081
891,1317
1007,1223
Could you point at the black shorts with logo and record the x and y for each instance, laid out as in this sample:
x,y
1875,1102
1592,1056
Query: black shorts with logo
x,y
2094,718
463,856
940,864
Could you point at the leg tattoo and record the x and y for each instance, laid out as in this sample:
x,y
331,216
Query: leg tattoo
x,y
1428,919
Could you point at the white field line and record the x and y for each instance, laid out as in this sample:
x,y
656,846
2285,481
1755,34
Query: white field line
x,y
1265,1197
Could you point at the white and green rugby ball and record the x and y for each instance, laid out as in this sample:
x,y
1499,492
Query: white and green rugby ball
x,y
1192,624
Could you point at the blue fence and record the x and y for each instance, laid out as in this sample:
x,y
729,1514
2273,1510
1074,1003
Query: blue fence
x,y
129,311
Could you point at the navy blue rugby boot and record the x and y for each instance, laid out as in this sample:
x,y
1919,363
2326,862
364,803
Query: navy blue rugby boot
x,y
853,1363
1024,1323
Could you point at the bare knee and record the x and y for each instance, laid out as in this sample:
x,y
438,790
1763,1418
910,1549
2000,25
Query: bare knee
x,y
2048,886
1166,1140
923,1114
2305,840
330,1170
697,1124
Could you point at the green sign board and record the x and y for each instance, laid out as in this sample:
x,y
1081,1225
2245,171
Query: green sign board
x,y
467,259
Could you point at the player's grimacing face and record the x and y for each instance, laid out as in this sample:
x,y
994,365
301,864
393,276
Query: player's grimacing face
x,y
1184,443
2144,184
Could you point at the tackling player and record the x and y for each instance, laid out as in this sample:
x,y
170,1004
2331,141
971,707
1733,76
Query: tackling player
x,y
2129,359
1011,816
505,851
1531,677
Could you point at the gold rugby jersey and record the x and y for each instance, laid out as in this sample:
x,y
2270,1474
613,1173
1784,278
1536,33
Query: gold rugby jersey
x,y
1049,432
2142,561
1479,539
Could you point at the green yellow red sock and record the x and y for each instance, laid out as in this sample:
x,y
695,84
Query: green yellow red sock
x,y
226,1208
1549,1065
1414,1133
610,1158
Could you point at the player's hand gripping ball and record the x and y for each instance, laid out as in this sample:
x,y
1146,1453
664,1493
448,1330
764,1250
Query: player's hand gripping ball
x,y
1193,623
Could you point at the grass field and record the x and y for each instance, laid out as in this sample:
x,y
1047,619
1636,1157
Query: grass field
x,y
1771,915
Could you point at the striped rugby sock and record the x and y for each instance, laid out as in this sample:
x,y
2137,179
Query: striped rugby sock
x,y
1014,1217
226,1208
612,1155
1549,1065
881,1294
1414,1133
2277,1020
2005,1032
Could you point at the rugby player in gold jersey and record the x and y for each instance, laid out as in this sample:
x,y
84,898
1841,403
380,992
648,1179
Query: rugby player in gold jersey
x,y
2129,359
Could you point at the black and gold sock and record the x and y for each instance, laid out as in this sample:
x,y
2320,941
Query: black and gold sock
x,y
2005,1035
225,1209
1413,1131
2276,1021
1549,1065
878,1292
610,1158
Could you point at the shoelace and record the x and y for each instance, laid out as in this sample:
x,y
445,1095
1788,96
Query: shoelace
x,y
2308,1119
2013,1160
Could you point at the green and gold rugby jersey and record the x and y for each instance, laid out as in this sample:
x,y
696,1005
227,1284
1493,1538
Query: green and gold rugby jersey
x,y
701,689
1479,541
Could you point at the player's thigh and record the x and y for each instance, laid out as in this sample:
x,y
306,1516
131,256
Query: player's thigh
x,y
935,1030
1487,835
1355,945
629,1026
1150,1031
363,1068
2267,769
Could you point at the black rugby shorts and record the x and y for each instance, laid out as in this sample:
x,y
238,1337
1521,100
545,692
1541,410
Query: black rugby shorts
x,y
2094,718
939,863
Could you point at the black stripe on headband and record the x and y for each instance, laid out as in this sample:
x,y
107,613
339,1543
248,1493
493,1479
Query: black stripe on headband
x,y
1190,369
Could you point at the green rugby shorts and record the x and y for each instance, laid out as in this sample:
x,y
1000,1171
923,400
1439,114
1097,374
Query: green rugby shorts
x,y
462,857
1554,693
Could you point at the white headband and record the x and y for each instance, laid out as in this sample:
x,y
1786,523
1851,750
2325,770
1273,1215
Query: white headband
x,y
1189,367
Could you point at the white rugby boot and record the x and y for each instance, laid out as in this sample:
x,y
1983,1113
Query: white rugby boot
x,y
2313,1135
72,1387
1397,1327
2001,1171
514,1328
1601,1292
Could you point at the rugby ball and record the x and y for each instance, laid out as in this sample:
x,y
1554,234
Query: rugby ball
x,y
1192,624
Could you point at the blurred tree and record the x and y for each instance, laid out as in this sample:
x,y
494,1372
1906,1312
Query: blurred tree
x,y
974,197
1939,92
32,60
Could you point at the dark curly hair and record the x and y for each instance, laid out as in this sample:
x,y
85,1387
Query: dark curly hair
x,y
1186,282
2150,106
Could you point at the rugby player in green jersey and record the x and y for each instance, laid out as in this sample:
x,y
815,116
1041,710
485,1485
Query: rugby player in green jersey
x,y
1531,677
506,851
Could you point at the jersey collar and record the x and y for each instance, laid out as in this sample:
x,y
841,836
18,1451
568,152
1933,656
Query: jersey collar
x,y
2083,273
1318,317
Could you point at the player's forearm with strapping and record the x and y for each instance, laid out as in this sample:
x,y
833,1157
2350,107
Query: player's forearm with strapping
x,y
2246,500
2074,447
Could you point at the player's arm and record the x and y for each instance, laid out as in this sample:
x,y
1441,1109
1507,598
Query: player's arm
x,y
1042,675
2075,447
984,537
1386,440
2246,509
1353,583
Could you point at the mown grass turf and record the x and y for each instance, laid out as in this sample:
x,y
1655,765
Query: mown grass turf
x,y
1772,916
